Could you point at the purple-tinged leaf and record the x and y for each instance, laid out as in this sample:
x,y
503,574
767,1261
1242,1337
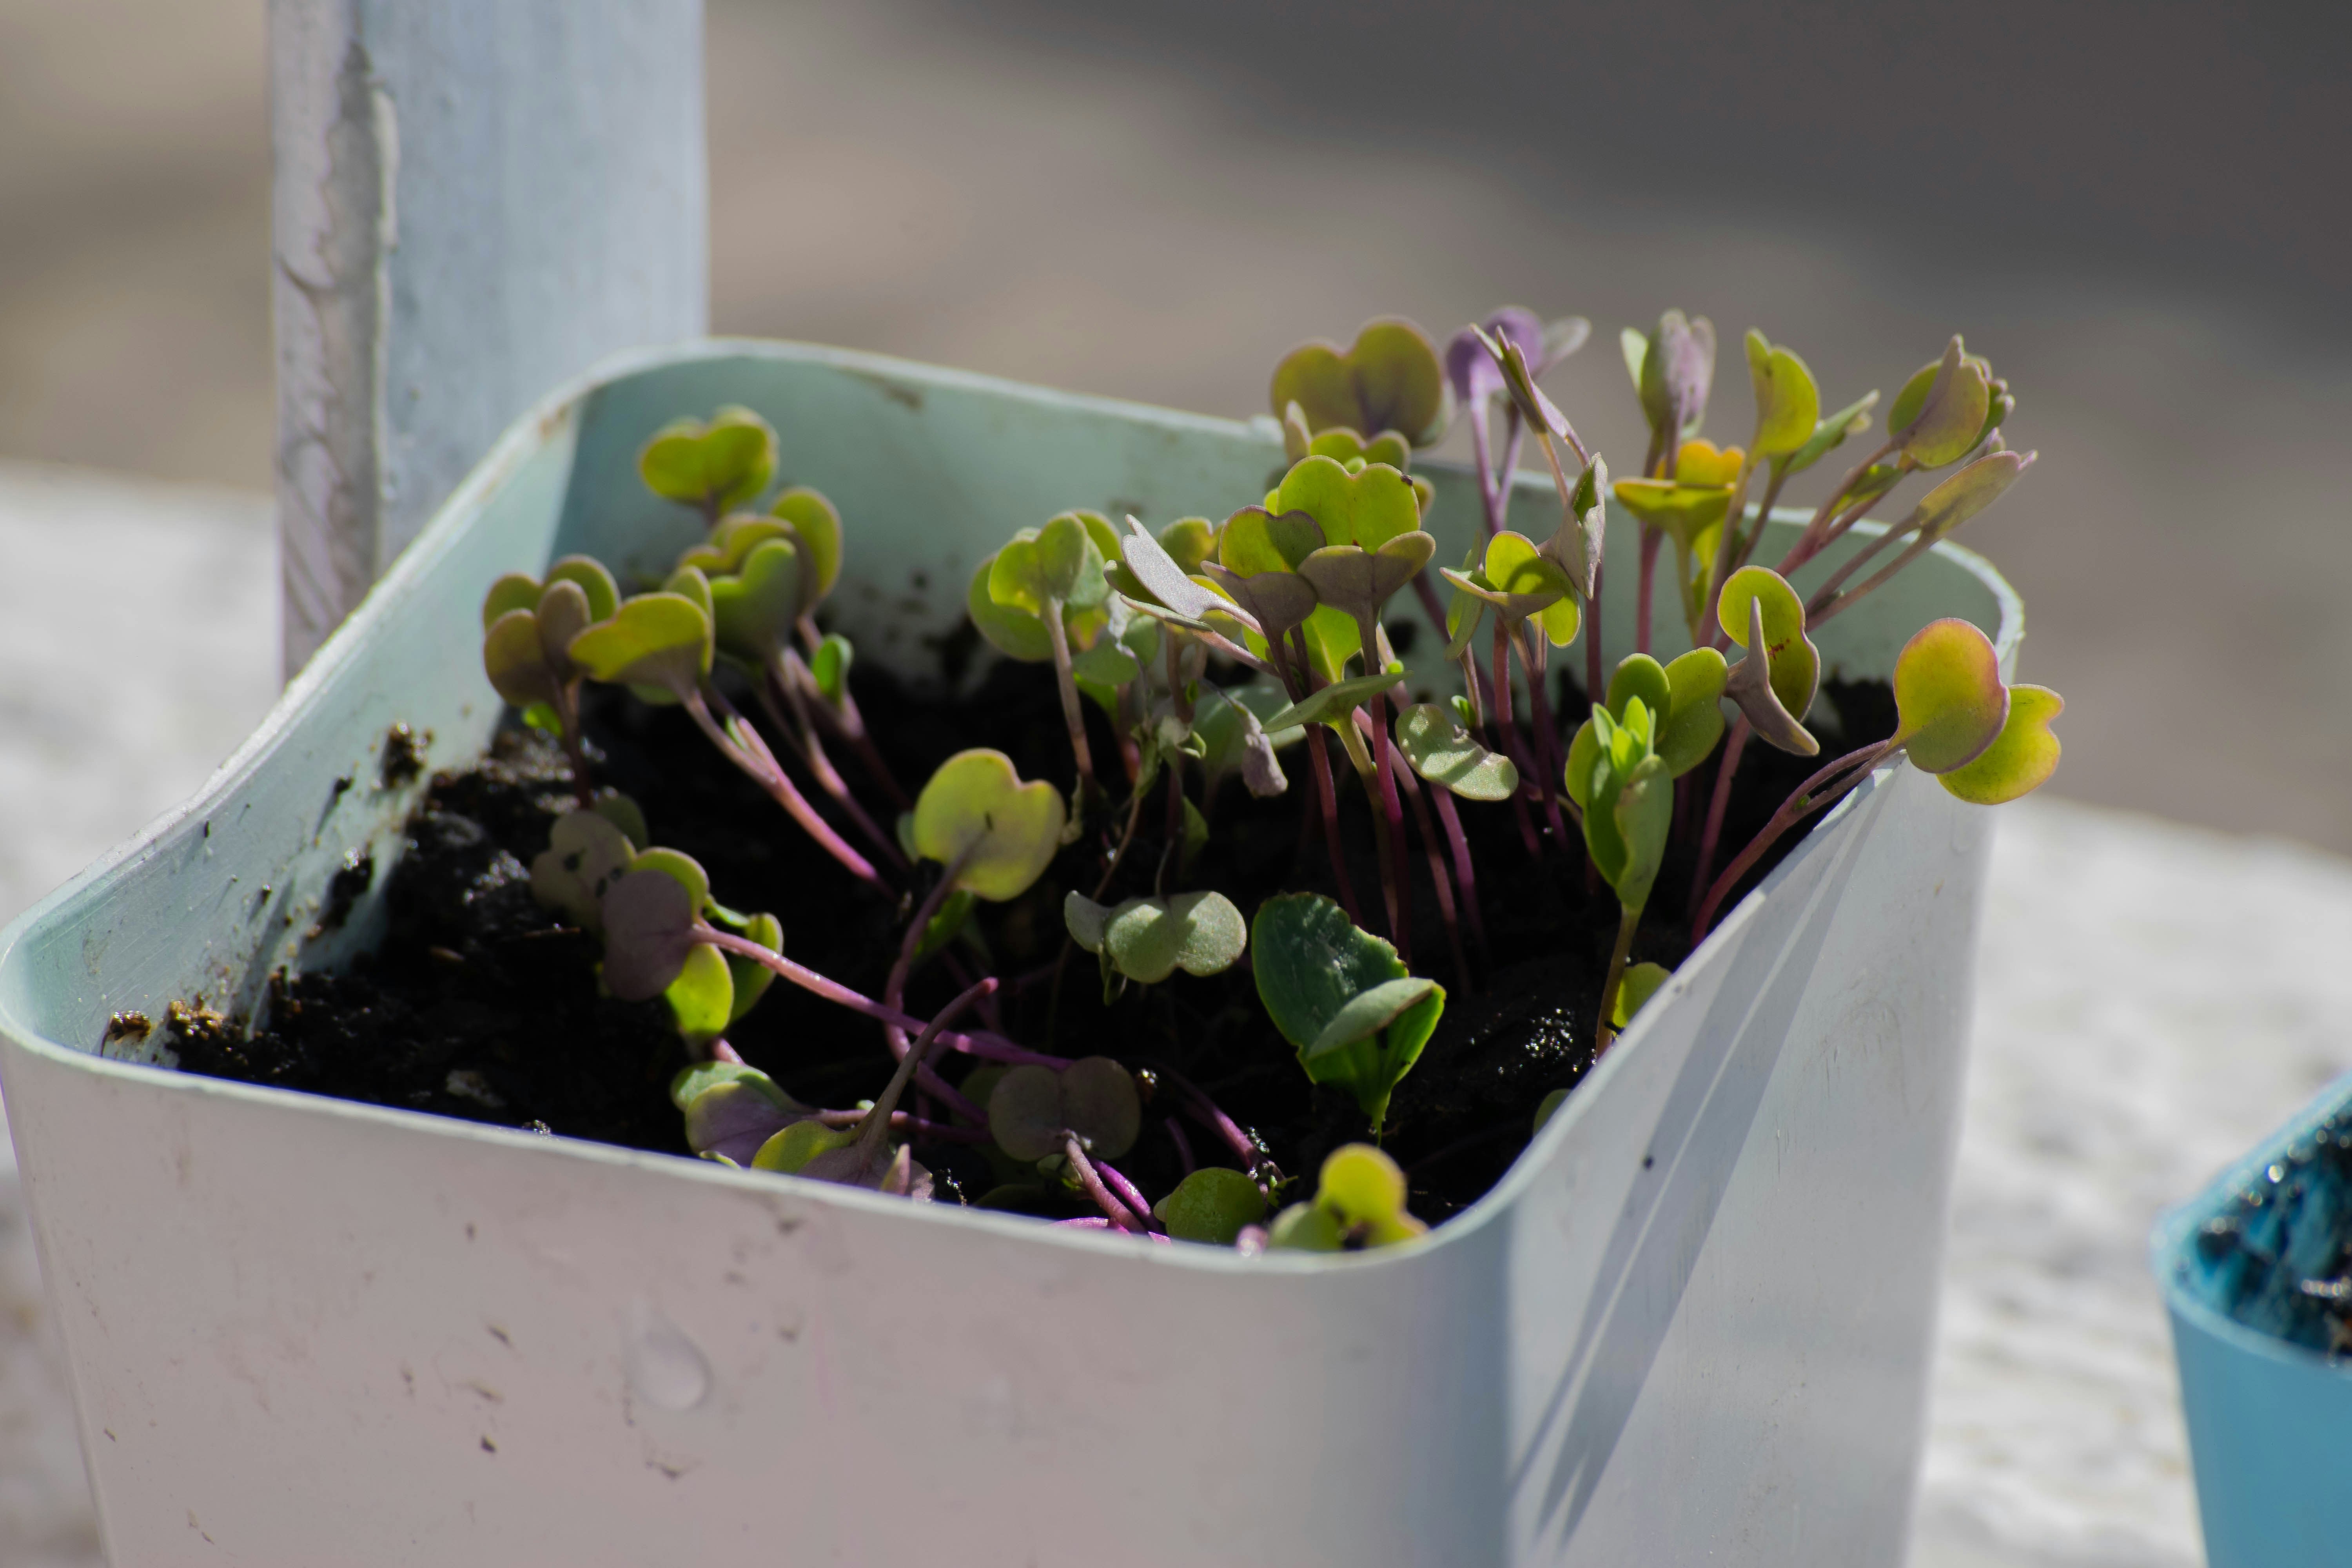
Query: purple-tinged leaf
x,y
648,932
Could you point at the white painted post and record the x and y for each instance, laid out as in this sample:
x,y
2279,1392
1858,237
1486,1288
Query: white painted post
x,y
472,200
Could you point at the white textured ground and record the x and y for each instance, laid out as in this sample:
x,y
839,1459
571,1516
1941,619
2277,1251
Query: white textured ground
x,y
2152,998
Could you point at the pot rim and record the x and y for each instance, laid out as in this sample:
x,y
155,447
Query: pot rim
x,y
561,408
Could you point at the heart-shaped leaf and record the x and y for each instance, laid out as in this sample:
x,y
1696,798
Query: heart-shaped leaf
x,y
716,466
1369,508
735,537
649,934
1949,703
1795,665
1033,1106
1389,379
1014,633
1443,751
790,1151
1472,371
753,979
1787,401
732,1109
976,803
653,639
1940,415
1256,541
1749,685
1149,939
1327,703
1520,582
2024,756
1359,1202
753,612
515,662
1165,580
1353,451
1275,601
1357,581
1058,565
1214,1205
1682,512
1968,492
703,997
816,533
586,852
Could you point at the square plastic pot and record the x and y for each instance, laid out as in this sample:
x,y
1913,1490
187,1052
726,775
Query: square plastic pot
x,y
2269,1420
1691,1324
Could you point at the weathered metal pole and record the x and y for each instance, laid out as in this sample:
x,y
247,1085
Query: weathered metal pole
x,y
472,200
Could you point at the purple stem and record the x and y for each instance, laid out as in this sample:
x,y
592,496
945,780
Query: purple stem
x,y
1464,876
849,723
1718,805
1507,726
1800,804
1184,1144
1547,734
1124,1190
1396,876
1594,691
893,987
762,767
800,734
1204,1110
987,1046
1438,878
1092,1185
1326,796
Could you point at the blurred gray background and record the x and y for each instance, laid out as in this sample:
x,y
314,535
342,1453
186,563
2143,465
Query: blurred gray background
x,y
2134,208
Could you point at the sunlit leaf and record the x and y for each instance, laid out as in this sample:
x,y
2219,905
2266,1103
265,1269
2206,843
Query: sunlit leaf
x,y
2020,760
1949,703
977,801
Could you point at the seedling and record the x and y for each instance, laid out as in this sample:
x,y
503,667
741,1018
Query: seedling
x,y
1339,994
1359,1202
1211,648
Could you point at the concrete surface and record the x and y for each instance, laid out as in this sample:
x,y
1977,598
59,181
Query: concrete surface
x,y
2151,999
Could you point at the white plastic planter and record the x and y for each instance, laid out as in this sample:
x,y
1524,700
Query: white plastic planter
x,y
1692,1323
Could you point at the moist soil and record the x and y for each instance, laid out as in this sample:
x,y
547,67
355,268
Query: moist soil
x,y
479,1003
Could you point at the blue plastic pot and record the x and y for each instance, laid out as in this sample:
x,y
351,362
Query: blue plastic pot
x,y
2270,1421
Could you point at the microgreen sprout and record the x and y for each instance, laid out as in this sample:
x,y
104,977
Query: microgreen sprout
x,y
1209,651
1340,995
1359,1202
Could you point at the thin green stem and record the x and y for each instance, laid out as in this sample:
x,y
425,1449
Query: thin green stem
x,y
1073,714
1605,1033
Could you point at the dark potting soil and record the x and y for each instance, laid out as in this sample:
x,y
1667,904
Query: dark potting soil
x,y
479,1005
2279,1260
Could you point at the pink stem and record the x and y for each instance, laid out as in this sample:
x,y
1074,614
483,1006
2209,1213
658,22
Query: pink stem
x,y
893,987
1465,875
762,769
1437,873
1124,1190
1799,805
1092,1185
1548,783
1718,805
1184,1144
1327,796
987,1046
812,753
1506,725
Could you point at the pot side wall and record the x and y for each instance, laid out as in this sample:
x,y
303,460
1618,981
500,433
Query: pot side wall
x,y
1693,1320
